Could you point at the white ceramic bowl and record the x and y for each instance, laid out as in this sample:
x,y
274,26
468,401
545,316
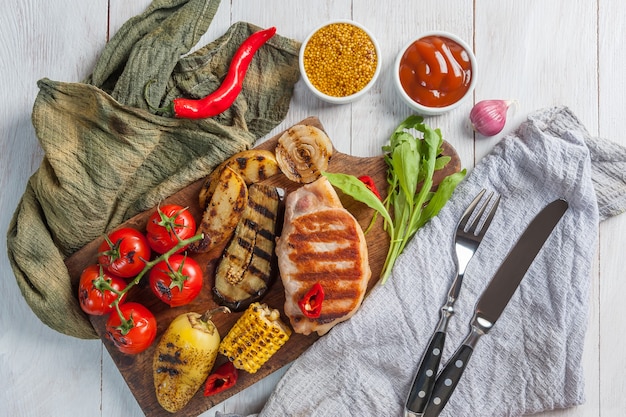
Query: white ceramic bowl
x,y
427,110
343,99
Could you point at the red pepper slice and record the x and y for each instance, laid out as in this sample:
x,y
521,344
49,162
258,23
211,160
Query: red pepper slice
x,y
369,183
222,379
311,303
220,100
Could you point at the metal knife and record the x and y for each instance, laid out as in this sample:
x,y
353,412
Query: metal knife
x,y
494,299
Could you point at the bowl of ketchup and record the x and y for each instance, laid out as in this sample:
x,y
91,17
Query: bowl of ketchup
x,y
435,73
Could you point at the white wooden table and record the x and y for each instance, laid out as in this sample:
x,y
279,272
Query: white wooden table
x,y
540,52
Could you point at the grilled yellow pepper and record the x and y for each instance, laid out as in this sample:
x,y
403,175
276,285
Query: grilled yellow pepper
x,y
184,358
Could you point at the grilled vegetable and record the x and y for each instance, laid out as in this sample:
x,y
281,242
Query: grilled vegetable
x,y
303,153
244,272
311,303
184,358
255,337
223,212
254,165
223,378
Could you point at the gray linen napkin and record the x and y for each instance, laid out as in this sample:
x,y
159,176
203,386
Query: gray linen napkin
x,y
531,360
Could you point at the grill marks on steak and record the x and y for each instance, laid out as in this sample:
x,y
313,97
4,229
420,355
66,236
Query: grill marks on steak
x,y
321,242
325,251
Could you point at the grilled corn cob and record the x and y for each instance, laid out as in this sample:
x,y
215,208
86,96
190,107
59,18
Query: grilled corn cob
x,y
255,337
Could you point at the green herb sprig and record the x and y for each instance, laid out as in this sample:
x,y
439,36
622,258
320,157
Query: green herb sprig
x,y
411,162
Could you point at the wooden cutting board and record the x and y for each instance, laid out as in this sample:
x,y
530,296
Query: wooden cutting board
x,y
137,369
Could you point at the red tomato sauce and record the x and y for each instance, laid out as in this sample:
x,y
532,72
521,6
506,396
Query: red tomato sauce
x,y
435,71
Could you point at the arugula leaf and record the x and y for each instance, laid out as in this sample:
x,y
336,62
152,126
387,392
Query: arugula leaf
x,y
440,197
355,188
441,162
412,160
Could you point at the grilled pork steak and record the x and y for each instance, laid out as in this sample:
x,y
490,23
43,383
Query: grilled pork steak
x,y
321,242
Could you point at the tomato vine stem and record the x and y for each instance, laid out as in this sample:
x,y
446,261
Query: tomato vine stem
x,y
127,324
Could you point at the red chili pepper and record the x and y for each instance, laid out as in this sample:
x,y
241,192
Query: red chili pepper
x,y
222,379
311,303
369,183
220,100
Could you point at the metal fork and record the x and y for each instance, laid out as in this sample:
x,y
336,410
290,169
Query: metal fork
x,y
466,241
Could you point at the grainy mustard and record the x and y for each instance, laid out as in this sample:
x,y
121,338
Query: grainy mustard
x,y
340,59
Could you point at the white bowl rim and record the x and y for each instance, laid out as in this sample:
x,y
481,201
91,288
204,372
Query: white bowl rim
x,y
420,107
358,94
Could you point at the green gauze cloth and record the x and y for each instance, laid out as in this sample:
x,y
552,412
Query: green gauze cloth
x,y
107,157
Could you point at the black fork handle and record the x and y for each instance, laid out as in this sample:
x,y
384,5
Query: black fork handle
x,y
426,375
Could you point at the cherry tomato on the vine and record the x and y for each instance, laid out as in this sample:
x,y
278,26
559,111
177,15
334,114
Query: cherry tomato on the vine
x,y
176,281
124,252
136,333
166,223
94,290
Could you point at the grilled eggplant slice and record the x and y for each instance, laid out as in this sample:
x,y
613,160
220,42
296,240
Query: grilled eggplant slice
x,y
244,273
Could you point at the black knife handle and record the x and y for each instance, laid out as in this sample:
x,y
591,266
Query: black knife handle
x,y
447,381
424,380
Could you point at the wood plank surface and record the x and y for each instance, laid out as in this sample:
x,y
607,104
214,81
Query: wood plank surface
x,y
541,53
